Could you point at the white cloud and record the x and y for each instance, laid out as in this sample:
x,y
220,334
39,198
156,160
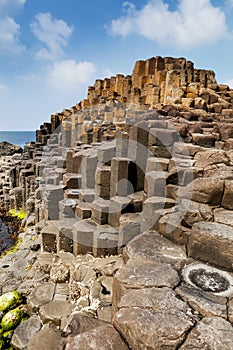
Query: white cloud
x,y
69,74
53,33
9,7
9,28
192,24
9,36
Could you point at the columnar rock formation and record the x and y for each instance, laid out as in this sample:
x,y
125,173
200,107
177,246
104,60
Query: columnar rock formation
x,y
142,167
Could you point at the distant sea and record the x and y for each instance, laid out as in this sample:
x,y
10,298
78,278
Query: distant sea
x,y
17,137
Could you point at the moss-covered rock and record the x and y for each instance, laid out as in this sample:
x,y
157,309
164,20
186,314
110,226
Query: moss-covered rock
x,y
10,300
12,319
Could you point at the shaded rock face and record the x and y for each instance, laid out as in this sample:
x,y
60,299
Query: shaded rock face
x,y
7,149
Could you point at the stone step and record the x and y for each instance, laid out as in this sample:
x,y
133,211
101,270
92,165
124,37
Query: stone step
x,y
99,240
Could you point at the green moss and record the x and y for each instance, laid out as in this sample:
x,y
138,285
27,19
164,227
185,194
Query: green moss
x,y
10,300
12,319
13,249
20,215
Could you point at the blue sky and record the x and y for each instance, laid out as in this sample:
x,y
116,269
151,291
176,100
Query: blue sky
x,y
51,50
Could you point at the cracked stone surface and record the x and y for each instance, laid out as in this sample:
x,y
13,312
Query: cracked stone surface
x,y
213,243
140,274
26,331
154,247
212,333
41,295
104,338
151,329
54,311
206,304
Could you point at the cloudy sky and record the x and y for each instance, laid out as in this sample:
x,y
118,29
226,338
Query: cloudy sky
x,y
51,50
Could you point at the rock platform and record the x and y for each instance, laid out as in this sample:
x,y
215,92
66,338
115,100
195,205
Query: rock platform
x,y
129,228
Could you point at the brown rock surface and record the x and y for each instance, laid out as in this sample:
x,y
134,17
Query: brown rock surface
x,y
104,338
146,329
211,333
213,243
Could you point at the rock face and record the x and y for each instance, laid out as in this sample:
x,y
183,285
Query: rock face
x,y
213,243
7,149
103,337
142,167
202,337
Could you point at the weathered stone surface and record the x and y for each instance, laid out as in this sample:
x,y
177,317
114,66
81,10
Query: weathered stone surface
x,y
25,332
104,338
152,211
204,303
203,140
59,272
41,295
100,210
212,333
117,206
162,137
212,242
46,338
210,157
192,212
140,274
83,237
154,247
157,164
230,310
54,311
130,227
72,180
186,148
223,216
171,228
205,190
155,183
7,149
151,329
158,299
78,324
225,130
108,265
227,202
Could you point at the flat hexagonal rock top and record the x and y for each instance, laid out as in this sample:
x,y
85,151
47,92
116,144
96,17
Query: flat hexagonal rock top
x,y
163,300
138,274
154,247
42,294
152,329
54,311
212,333
47,338
104,338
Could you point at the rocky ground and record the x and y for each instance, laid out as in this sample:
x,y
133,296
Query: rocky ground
x,y
7,149
156,299
128,240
